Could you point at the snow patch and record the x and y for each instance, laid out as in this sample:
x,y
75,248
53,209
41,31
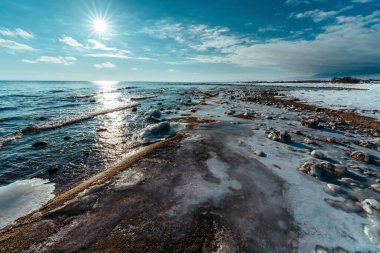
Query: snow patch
x,y
23,197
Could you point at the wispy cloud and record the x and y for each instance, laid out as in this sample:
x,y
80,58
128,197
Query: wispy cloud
x,y
67,61
270,28
10,44
105,65
319,15
199,37
18,32
94,45
109,55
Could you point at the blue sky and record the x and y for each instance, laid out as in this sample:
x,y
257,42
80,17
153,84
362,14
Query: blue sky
x,y
175,40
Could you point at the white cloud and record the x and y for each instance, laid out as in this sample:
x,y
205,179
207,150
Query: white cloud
x,y
347,46
94,45
106,65
319,15
16,32
70,42
196,36
28,61
53,59
270,28
10,44
109,55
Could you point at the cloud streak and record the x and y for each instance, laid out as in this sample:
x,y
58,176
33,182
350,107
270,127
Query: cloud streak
x,y
18,32
10,44
105,65
66,61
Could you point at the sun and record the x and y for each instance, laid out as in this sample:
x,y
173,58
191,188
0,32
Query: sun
x,y
100,26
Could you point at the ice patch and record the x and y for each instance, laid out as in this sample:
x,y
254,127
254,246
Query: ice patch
x,y
155,133
23,197
128,178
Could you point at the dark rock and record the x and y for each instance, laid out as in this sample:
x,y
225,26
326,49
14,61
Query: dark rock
x,y
40,143
66,138
310,123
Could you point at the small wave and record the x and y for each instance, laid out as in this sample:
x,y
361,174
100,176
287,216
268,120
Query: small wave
x,y
8,108
76,119
142,97
10,138
83,96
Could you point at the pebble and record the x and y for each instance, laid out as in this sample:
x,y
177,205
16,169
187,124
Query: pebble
x,y
362,156
260,153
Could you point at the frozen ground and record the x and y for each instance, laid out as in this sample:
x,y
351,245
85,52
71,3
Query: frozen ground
x,y
366,102
224,187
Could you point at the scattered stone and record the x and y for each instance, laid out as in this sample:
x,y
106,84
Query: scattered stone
x,y
310,123
308,141
260,153
134,109
362,156
154,115
52,170
318,154
40,143
298,132
280,136
375,187
101,130
42,118
92,101
330,140
66,138
323,170
365,144
156,132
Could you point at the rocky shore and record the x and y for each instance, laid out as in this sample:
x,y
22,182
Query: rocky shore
x,y
248,171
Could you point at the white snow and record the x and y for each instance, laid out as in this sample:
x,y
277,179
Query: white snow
x,y
23,197
367,100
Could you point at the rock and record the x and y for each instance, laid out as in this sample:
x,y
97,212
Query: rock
x,y
66,138
365,144
375,187
362,156
40,143
156,132
298,132
92,101
42,118
323,170
371,206
280,136
308,141
310,123
330,140
134,109
260,153
318,154
154,114
52,170
101,130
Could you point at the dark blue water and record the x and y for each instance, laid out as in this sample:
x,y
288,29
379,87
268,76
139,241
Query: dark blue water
x,y
95,142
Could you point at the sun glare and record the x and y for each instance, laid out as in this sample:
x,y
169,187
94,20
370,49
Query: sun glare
x,y
100,26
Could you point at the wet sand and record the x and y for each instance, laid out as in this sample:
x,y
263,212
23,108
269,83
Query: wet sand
x,y
221,185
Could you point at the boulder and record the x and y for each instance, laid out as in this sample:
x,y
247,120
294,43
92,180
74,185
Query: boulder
x,y
310,123
280,136
362,156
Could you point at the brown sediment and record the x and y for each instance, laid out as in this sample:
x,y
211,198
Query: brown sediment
x,y
355,119
193,121
20,230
